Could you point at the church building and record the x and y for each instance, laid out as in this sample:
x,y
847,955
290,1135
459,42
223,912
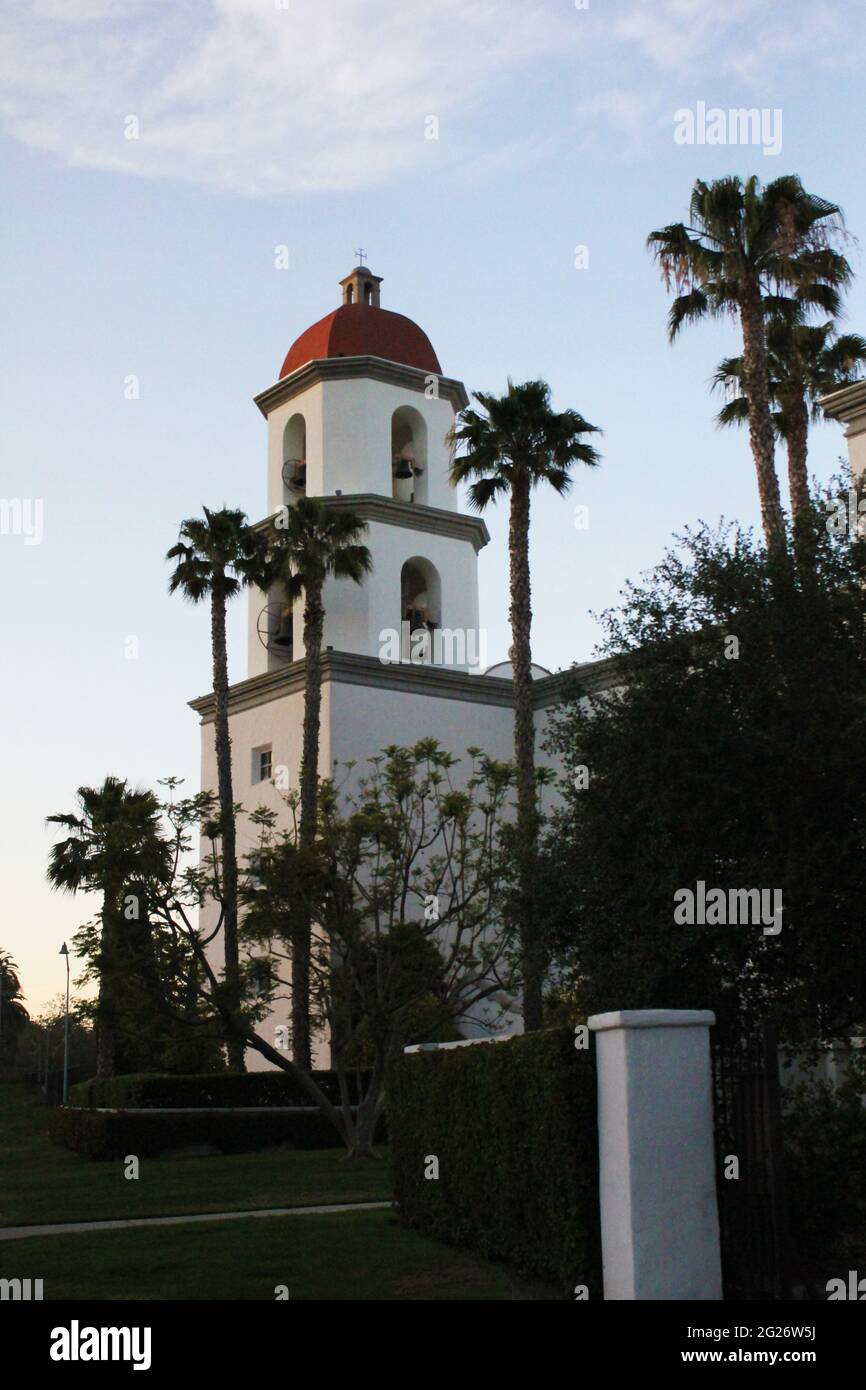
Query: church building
x,y
359,415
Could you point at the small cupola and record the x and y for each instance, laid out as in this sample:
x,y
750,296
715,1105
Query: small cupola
x,y
361,287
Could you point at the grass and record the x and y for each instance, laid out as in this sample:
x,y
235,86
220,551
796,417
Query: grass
x,y
354,1255
347,1255
40,1182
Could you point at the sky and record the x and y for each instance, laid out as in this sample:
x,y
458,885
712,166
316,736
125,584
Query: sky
x,y
502,164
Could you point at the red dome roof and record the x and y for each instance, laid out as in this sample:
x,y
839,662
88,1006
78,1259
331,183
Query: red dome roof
x,y
360,330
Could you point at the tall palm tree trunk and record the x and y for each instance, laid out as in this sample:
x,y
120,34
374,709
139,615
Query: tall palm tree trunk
x,y
760,419
520,614
106,1003
314,619
797,443
222,739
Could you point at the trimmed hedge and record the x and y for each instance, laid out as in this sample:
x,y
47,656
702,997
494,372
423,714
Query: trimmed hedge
x,y
143,1091
99,1134
824,1141
514,1127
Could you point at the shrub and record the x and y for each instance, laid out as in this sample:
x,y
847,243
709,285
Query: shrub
x,y
100,1134
144,1091
824,1133
514,1127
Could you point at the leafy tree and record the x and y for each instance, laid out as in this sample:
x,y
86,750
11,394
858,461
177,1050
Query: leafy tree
x,y
731,751
315,543
406,888
745,247
112,846
825,1171
160,1022
216,558
405,885
805,362
43,1040
517,444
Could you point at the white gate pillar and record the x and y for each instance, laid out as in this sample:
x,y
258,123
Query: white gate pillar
x,y
657,1184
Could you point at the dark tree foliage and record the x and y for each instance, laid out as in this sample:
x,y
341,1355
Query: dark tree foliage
x,y
13,1014
742,764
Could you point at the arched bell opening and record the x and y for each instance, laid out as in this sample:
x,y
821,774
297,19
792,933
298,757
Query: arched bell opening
x,y
294,458
274,627
409,455
420,608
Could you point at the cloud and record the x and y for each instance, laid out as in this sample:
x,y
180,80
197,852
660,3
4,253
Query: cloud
x,y
279,96
250,96
749,40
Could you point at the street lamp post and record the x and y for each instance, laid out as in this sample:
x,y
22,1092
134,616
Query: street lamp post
x,y
64,951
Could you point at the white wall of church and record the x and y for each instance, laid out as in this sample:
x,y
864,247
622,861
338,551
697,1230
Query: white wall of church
x,y
356,617
366,719
310,405
277,724
349,440
257,653
358,721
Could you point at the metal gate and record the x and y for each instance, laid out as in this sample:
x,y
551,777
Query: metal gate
x,y
753,1215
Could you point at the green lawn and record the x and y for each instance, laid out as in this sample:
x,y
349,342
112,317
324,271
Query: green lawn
x,y
355,1255
40,1182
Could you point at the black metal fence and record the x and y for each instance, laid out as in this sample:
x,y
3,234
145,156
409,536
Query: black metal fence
x,y
753,1213
49,1085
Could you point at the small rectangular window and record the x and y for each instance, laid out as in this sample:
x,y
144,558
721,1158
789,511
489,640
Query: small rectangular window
x,y
262,764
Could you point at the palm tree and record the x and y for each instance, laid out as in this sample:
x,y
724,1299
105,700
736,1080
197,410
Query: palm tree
x,y
113,843
317,542
217,557
804,363
516,444
745,247
13,1014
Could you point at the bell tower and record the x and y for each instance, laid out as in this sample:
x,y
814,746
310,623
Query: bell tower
x,y
360,417
361,286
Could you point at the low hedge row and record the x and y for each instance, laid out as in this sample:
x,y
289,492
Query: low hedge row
x,y
144,1091
100,1135
514,1127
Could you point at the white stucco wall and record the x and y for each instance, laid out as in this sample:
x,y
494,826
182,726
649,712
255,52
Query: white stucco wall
x,y
278,723
848,406
310,404
348,425
356,616
358,721
657,1183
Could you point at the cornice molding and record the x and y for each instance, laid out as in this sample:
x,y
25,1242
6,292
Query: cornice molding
x,y
847,405
346,368
348,668
372,506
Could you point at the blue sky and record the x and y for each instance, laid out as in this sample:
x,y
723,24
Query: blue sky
x,y
260,125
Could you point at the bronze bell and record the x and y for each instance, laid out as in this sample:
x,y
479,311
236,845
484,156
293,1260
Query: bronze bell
x,y
283,635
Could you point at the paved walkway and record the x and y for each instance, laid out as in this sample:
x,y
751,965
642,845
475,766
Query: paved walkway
x,y
64,1228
